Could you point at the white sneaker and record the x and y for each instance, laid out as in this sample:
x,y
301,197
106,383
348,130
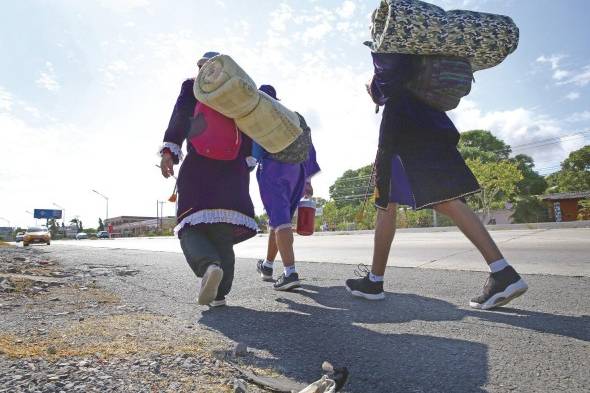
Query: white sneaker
x,y
210,284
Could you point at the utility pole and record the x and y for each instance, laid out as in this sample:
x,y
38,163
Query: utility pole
x,y
161,215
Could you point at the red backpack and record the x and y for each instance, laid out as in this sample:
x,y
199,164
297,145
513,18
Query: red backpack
x,y
214,135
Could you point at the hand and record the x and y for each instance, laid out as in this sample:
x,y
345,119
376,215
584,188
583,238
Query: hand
x,y
167,165
308,190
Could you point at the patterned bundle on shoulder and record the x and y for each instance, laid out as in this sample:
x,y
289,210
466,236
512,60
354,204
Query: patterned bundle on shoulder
x,y
420,28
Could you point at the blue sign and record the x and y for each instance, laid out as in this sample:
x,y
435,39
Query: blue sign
x,y
47,213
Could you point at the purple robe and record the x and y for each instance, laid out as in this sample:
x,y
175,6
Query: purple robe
x,y
209,191
417,162
282,185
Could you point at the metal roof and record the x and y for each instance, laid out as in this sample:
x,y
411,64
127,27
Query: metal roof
x,y
567,195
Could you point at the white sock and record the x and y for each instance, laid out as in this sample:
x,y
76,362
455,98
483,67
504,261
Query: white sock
x,y
289,270
267,263
500,264
375,278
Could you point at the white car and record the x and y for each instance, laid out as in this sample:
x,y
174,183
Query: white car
x,y
81,235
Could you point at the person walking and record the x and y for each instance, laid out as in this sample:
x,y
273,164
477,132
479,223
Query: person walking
x,y
418,165
214,209
282,185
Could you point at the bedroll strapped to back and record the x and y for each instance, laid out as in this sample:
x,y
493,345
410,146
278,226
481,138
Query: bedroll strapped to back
x,y
420,28
224,86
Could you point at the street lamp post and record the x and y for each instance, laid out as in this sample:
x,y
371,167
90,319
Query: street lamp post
x,y
107,199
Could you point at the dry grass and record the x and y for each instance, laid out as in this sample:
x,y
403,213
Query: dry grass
x,y
4,244
110,336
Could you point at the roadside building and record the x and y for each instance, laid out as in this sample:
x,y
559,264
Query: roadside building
x,y
564,206
126,226
6,233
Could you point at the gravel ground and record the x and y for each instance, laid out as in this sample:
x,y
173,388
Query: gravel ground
x,y
62,332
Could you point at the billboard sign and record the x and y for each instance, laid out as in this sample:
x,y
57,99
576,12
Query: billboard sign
x,y
47,213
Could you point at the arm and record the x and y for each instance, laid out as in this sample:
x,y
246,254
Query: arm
x,y
392,72
179,122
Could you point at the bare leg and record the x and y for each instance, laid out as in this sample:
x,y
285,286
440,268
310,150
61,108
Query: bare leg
x,y
272,249
471,227
284,239
384,233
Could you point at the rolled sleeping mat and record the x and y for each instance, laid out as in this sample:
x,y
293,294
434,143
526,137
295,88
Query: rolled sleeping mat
x,y
224,86
419,28
272,125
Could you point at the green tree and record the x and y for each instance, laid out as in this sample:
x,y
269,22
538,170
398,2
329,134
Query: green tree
x,y
352,187
330,214
574,174
100,225
529,209
483,145
584,209
498,181
532,183
53,227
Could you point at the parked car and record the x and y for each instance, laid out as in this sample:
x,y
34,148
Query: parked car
x,y
81,235
19,237
102,235
36,235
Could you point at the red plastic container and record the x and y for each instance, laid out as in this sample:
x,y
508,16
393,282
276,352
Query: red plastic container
x,y
306,217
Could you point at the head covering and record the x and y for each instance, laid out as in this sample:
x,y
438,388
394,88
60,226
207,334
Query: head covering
x,y
268,89
206,56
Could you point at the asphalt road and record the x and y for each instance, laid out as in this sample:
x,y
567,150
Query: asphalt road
x,y
422,338
541,251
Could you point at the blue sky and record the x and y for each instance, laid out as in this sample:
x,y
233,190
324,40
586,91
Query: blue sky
x,y
86,88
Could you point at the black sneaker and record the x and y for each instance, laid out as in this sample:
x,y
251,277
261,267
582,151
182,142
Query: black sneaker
x,y
364,287
218,302
286,283
500,288
265,272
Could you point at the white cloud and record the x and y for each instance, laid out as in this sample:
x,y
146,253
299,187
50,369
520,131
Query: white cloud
x,y
516,127
280,17
572,96
560,74
124,5
346,10
579,117
6,100
316,33
113,72
47,78
580,78
553,60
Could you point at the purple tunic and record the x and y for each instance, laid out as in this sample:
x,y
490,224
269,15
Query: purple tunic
x,y
282,186
417,162
209,191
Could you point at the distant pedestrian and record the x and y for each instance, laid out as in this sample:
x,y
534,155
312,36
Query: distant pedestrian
x,y
282,186
418,164
214,209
